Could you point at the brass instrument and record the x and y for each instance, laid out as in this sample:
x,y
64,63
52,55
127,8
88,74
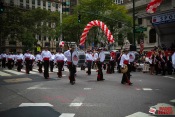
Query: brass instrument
x,y
124,69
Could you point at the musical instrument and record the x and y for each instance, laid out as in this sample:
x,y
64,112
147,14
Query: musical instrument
x,y
124,69
107,56
131,56
78,57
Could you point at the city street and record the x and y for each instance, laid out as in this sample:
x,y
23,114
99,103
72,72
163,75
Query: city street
x,y
23,95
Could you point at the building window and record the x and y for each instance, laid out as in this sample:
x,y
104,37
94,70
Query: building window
x,y
44,38
119,2
57,6
21,1
65,9
21,5
27,1
47,44
152,36
33,7
44,3
49,4
27,6
33,2
39,2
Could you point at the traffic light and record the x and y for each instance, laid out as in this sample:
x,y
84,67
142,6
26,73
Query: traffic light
x,y
79,18
1,7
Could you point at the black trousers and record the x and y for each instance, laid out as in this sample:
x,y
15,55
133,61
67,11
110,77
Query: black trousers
x,y
10,64
46,69
112,63
51,66
3,62
163,68
27,66
169,67
19,65
60,67
39,66
89,65
72,71
100,72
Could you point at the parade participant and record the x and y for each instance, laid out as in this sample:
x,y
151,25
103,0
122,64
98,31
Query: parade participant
x,y
59,60
169,64
95,59
3,57
112,61
71,66
152,62
52,62
10,60
173,60
26,58
163,62
89,60
46,56
38,59
19,60
125,61
32,59
157,63
100,60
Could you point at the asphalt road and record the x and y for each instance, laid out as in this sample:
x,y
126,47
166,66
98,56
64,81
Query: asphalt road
x,y
31,95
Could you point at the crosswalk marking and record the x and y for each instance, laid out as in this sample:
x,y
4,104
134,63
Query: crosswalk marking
x,y
139,114
4,74
35,104
16,80
67,115
147,89
169,77
14,72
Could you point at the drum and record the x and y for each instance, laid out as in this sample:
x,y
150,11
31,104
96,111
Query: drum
x,y
78,57
107,56
124,69
131,56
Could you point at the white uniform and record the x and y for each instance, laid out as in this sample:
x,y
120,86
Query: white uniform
x,y
101,56
59,57
27,56
124,58
68,55
38,57
89,57
46,55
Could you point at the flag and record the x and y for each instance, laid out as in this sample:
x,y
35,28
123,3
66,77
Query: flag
x,y
141,45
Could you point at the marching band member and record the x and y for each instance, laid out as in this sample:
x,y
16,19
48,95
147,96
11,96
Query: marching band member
x,y
95,60
59,60
32,59
100,60
46,56
52,62
125,61
119,55
163,62
89,60
71,66
169,64
38,59
10,60
19,60
26,58
3,57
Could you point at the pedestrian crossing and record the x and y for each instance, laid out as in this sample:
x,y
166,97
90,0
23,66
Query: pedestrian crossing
x,y
7,72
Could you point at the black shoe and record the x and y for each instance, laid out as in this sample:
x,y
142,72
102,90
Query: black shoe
x,y
123,83
98,79
102,79
130,83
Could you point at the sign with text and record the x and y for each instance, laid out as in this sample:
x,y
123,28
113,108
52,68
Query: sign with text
x,y
164,18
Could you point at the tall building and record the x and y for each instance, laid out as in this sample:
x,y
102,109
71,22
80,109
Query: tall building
x,y
63,6
157,27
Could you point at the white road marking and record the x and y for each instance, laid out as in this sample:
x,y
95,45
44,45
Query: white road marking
x,y
147,89
87,88
138,89
67,115
35,104
15,80
139,114
38,87
31,72
4,74
169,77
14,72
173,101
77,102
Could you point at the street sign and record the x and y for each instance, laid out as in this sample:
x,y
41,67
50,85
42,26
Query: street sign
x,y
140,29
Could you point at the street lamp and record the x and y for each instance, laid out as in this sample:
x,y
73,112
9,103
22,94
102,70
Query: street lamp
x,y
134,44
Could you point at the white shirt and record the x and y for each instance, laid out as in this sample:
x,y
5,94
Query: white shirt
x,y
95,56
10,56
32,57
27,55
3,55
68,55
173,60
19,57
46,54
52,57
89,57
102,56
38,57
124,57
58,57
